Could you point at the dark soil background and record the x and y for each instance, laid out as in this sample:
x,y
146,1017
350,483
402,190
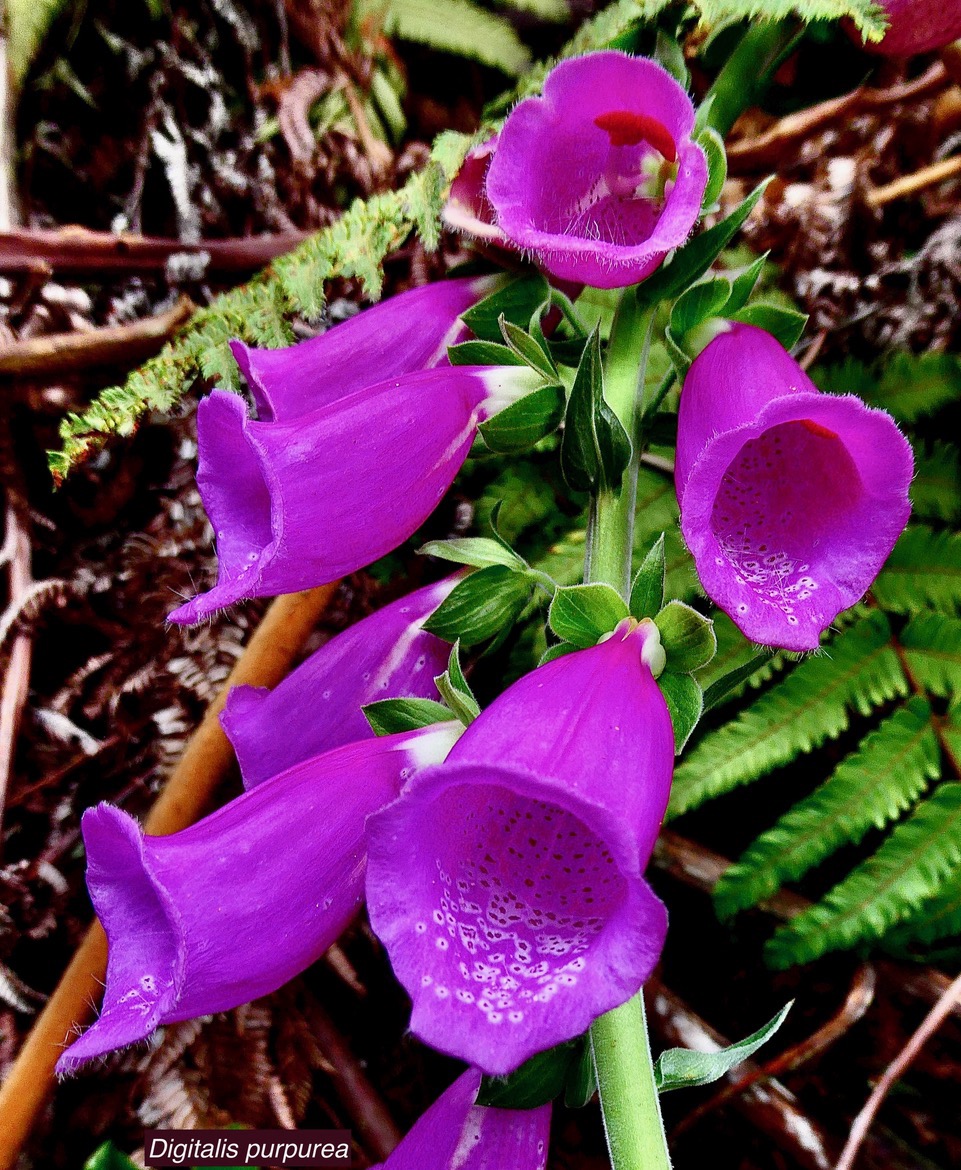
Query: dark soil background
x,y
163,127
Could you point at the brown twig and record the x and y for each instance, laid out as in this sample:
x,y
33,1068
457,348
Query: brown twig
x,y
114,345
264,662
896,1069
77,251
16,678
911,184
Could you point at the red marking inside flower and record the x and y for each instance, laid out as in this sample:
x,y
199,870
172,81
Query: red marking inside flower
x,y
817,429
626,128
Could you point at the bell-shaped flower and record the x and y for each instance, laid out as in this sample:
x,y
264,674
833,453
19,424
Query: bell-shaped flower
x,y
600,178
790,499
299,502
917,26
234,906
317,707
394,337
507,883
456,1134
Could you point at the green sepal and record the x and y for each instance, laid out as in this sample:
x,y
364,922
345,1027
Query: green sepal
x,y
455,690
537,1081
595,448
696,304
527,349
388,716
687,636
743,284
685,702
521,425
581,1084
559,650
484,605
483,353
713,146
669,54
647,590
477,551
580,614
681,1068
786,325
515,301
694,259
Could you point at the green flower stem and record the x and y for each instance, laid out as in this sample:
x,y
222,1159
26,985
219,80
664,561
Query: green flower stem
x,y
625,1082
622,1053
611,523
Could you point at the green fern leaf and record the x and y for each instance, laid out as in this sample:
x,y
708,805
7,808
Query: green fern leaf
x,y
733,652
460,27
936,487
550,11
872,787
28,22
867,15
910,866
859,671
936,918
923,571
907,386
932,649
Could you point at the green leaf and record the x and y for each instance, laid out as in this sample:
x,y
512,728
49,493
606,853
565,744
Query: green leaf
x,y
459,27
699,302
906,385
687,637
669,54
388,716
516,302
595,448
27,24
580,614
923,572
785,324
581,1080
482,606
682,1068
936,487
477,551
859,672
909,867
483,353
108,1157
685,702
647,591
932,648
743,284
521,425
713,146
694,259
527,348
536,1082
560,650
728,683
455,690
869,789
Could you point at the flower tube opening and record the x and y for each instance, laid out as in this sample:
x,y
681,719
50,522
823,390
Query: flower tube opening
x,y
521,915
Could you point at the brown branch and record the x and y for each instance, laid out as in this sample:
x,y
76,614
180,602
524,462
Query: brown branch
x,y
78,251
188,791
896,1069
912,184
16,678
114,345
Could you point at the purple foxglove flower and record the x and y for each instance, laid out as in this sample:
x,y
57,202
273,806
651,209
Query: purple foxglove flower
x,y
388,655
468,208
507,883
234,906
456,1134
790,499
392,338
917,26
600,178
301,502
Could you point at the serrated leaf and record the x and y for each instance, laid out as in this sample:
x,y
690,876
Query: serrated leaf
x,y
483,353
595,448
459,27
477,551
870,788
931,643
922,572
699,302
936,487
482,606
516,301
687,637
389,716
910,866
685,702
581,614
647,590
521,425
906,385
682,1068
786,325
539,1079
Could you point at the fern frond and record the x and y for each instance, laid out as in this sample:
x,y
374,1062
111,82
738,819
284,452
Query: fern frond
x,y
733,652
911,866
936,488
459,27
858,671
906,385
550,11
28,22
936,918
922,572
867,15
872,787
932,649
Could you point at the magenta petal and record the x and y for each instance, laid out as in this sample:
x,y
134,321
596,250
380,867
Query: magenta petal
x,y
388,655
468,209
918,26
299,503
507,883
236,905
573,177
392,338
456,1134
791,500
